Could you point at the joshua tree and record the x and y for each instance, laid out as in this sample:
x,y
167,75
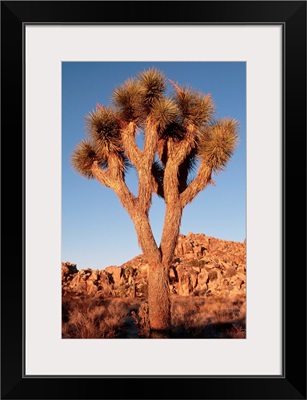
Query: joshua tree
x,y
180,136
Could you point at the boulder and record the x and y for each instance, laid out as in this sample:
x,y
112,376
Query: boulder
x,y
116,274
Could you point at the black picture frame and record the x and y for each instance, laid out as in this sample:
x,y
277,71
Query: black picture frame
x,y
292,16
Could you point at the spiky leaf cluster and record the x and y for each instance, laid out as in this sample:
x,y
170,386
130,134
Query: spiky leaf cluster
x,y
124,162
152,85
104,129
127,99
164,112
195,108
185,118
136,97
83,157
218,143
174,131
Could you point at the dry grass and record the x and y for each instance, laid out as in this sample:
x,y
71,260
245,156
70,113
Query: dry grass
x,y
208,317
88,318
192,317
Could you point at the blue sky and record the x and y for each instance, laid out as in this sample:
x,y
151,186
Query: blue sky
x,y
96,230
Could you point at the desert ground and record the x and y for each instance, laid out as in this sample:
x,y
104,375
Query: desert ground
x,y
207,283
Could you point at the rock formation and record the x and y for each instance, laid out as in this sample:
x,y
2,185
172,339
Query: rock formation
x,y
202,266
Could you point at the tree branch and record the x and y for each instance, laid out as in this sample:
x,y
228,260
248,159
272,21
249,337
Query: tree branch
x,y
178,151
150,143
129,202
130,147
171,226
113,178
146,180
101,175
202,180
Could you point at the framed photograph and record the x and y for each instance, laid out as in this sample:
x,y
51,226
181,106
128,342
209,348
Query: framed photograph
x,y
194,108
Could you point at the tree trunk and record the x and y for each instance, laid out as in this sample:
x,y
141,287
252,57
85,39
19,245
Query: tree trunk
x,y
158,286
158,279
158,298
172,221
158,289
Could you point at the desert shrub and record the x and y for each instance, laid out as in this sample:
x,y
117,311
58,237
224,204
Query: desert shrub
x,y
202,263
237,331
230,272
143,289
122,290
212,275
213,317
193,263
141,320
89,319
197,263
192,317
187,319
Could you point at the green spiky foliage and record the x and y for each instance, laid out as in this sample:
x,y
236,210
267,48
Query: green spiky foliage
x,y
83,157
218,143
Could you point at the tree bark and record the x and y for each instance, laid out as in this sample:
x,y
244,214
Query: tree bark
x,y
158,298
172,221
158,288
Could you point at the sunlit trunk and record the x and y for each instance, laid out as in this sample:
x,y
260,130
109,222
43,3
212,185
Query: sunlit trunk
x,y
158,298
172,221
158,280
158,288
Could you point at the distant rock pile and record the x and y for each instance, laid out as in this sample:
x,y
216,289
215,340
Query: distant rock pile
x,y
202,266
